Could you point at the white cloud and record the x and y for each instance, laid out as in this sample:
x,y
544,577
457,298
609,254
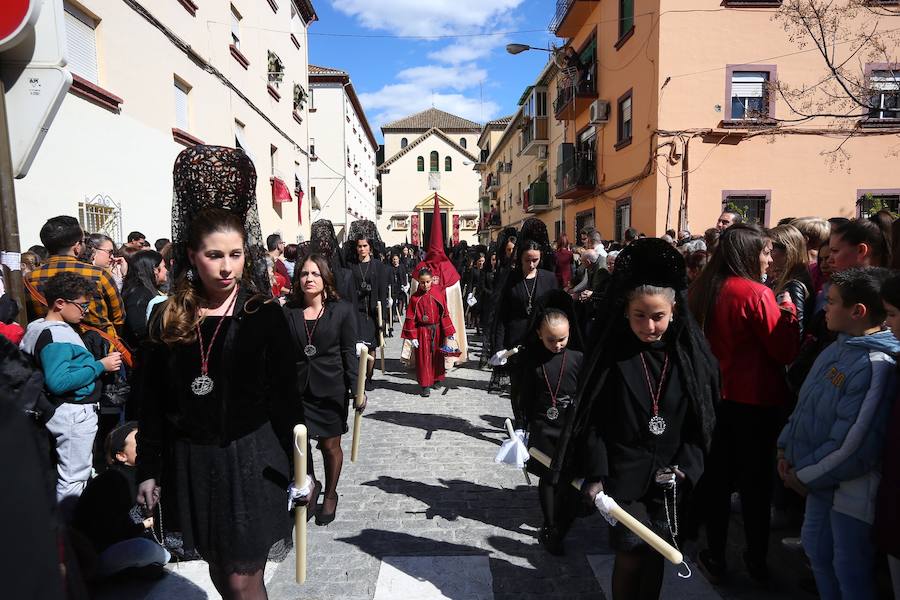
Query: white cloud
x,y
399,100
426,17
435,77
468,49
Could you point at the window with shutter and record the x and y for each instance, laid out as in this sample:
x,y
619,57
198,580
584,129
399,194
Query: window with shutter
x,y
886,94
624,123
235,28
81,44
181,105
749,98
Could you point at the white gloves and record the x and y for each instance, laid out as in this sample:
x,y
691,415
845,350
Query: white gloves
x,y
514,451
405,288
605,504
390,302
471,301
296,494
499,359
415,344
359,348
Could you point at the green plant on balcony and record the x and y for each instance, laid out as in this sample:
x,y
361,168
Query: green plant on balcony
x,y
276,69
300,97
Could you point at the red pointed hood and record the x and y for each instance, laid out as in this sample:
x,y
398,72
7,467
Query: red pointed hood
x,y
435,258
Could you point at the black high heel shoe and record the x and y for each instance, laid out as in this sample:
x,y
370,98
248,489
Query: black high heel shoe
x,y
312,506
324,518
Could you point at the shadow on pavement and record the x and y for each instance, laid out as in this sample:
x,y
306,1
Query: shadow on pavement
x,y
453,498
431,423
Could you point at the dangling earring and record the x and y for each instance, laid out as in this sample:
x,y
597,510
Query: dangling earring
x,y
191,275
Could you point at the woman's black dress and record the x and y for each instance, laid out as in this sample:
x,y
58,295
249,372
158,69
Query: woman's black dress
x,y
620,450
512,316
326,379
370,281
226,456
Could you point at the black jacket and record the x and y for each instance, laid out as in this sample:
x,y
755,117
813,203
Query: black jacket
x,y
332,371
253,367
106,511
511,315
136,301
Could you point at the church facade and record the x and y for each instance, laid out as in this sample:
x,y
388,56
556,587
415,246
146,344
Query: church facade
x,y
430,152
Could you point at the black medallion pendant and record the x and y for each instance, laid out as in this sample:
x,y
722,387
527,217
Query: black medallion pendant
x,y
657,425
309,350
553,413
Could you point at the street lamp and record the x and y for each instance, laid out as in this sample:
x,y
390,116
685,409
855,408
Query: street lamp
x,y
520,48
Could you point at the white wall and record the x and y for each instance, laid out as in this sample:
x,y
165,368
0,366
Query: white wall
x,y
129,155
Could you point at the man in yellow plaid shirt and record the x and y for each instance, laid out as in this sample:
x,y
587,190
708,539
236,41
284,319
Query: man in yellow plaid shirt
x,y
62,236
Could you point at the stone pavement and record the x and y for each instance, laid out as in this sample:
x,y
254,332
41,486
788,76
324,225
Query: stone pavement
x,y
426,513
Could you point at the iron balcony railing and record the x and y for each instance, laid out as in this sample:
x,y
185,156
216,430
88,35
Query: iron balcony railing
x,y
573,88
562,7
576,173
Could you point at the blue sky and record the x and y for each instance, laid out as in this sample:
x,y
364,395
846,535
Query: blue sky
x,y
473,76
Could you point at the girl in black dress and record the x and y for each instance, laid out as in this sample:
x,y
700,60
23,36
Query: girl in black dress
x,y
371,281
643,419
547,374
324,330
521,295
216,429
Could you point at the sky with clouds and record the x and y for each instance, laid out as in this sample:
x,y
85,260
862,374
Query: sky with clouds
x,y
444,59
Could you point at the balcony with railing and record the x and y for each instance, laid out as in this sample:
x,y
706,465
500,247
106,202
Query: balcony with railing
x,y
576,175
493,182
570,89
570,15
537,197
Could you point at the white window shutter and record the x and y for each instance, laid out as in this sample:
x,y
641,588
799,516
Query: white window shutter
x,y
181,106
235,29
626,110
81,44
748,84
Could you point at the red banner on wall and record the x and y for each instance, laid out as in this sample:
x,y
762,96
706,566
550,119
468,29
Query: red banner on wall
x,y
455,229
414,233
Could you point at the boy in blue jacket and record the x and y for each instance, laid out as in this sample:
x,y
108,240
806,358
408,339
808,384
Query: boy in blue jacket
x,y
70,376
831,447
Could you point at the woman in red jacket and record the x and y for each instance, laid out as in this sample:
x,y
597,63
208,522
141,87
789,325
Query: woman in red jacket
x,y
754,337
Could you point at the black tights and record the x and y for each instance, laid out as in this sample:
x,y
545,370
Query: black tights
x,y
558,503
333,459
239,586
637,574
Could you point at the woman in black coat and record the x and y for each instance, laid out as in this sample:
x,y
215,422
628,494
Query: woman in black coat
x,y
370,279
323,328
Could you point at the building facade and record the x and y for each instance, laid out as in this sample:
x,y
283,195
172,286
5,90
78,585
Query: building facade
x,y
670,111
428,153
153,78
343,150
517,177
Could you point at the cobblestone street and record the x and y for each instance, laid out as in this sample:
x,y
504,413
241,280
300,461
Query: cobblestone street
x,y
426,513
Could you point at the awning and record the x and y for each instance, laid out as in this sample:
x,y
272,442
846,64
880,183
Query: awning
x,y
280,191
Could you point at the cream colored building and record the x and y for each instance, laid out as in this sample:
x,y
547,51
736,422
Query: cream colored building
x,y
426,153
152,77
517,178
343,176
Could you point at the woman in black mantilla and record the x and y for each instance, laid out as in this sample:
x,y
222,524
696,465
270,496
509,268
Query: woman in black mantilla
x,y
323,328
216,430
520,295
370,281
644,415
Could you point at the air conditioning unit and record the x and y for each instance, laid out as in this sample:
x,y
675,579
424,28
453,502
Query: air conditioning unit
x,y
599,112
542,152
508,167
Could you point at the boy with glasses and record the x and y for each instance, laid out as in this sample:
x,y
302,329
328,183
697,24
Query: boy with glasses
x,y
71,376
